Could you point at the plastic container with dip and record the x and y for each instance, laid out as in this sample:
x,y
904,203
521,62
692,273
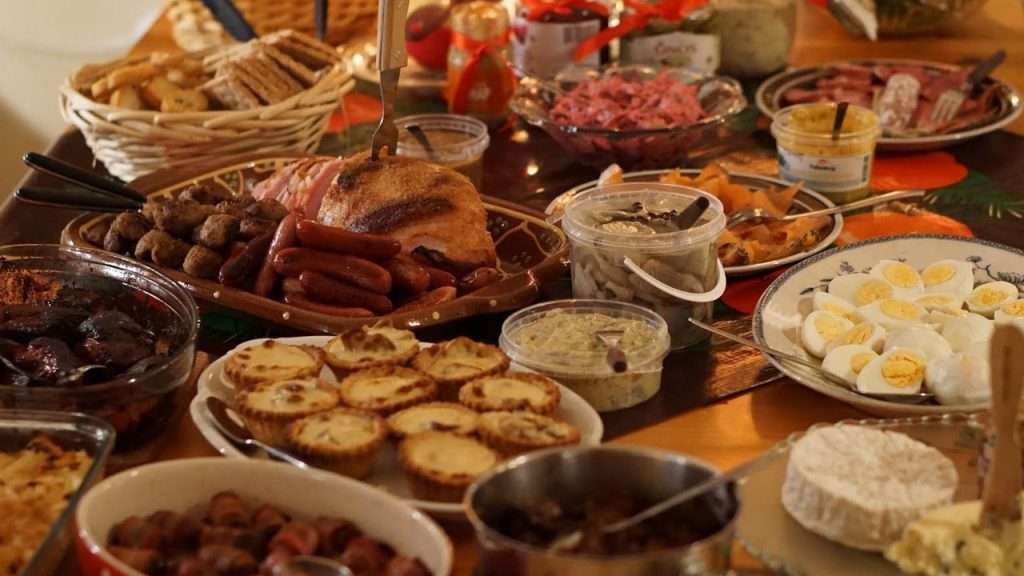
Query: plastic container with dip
x,y
839,168
626,247
558,339
458,142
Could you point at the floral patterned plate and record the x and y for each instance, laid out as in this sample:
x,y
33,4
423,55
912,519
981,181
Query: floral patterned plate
x,y
782,307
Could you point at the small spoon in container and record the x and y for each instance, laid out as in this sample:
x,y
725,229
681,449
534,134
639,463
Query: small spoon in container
x,y
615,357
421,136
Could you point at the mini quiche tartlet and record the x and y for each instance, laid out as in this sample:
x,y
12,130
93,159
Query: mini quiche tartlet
x,y
511,391
512,433
369,347
455,362
268,408
342,440
386,389
433,417
271,361
441,465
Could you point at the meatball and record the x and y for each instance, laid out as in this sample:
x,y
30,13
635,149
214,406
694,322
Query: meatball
x,y
250,228
130,226
202,262
179,217
162,248
112,242
204,194
235,207
216,231
267,209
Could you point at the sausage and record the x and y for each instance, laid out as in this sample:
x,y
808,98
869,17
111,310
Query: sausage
x,y
364,556
276,556
142,559
373,246
291,286
405,566
135,532
439,278
268,519
335,534
477,279
179,530
227,560
243,538
407,275
323,288
432,298
299,537
284,237
299,300
239,268
227,509
351,269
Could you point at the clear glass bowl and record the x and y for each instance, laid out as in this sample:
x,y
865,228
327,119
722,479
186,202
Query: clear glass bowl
x,y
722,98
140,407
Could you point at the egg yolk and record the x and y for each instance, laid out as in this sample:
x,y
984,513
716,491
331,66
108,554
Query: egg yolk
x,y
837,310
859,334
859,361
900,275
935,301
900,309
872,290
902,370
828,326
937,274
989,296
1015,308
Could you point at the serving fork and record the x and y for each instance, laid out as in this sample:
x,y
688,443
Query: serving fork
x,y
391,58
759,214
950,101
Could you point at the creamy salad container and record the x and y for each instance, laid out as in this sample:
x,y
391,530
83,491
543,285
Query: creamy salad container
x,y
839,168
457,142
626,246
559,339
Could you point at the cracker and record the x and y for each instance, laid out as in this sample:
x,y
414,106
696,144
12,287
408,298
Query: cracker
x,y
297,69
127,97
230,92
156,91
305,49
131,75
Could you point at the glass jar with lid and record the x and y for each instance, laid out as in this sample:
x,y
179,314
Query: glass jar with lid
x,y
480,79
546,33
686,42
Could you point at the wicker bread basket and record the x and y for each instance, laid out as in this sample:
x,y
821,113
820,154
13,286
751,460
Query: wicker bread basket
x,y
131,143
194,28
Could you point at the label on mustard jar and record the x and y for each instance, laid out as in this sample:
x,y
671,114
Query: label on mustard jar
x,y
826,174
698,52
543,49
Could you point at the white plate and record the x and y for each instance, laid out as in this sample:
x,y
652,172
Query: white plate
x,y
782,307
387,473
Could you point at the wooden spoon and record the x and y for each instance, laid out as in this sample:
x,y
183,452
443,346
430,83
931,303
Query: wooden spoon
x,y
1001,497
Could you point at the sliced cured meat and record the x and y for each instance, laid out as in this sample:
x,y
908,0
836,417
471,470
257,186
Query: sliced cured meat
x,y
619,103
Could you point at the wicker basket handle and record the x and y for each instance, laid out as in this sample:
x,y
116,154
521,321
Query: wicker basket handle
x,y
391,34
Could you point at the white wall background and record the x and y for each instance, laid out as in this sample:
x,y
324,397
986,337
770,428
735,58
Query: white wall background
x,y
41,42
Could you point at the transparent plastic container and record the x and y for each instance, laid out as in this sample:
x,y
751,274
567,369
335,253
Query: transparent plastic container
x,y
558,340
839,168
676,274
458,142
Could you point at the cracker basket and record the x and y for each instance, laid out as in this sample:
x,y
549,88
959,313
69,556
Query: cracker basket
x,y
194,28
132,143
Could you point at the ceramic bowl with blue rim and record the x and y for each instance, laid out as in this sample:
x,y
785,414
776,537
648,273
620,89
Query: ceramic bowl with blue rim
x,y
782,308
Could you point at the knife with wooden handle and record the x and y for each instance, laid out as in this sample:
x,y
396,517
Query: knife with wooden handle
x,y
391,58
1001,498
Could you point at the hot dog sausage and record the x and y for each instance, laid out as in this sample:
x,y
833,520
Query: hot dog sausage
x,y
239,268
322,288
316,235
291,286
439,278
407,275
284,237
299,300
478,279
432,298
351,269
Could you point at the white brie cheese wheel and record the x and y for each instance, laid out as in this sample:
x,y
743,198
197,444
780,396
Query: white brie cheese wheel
x,y
861,486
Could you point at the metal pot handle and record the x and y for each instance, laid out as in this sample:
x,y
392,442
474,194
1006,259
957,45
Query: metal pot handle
x,y
701,297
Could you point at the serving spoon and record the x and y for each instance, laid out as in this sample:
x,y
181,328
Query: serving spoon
x,y
310,566
915,398
760,215
219,414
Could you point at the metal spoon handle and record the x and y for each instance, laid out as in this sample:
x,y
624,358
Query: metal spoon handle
x,y
880,199
278,454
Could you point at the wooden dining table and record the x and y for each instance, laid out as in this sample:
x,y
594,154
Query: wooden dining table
x,y
737,427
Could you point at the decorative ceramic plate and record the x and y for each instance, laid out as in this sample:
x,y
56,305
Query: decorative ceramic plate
x,y
361,58
782,307
529,251
387,473
768,532
806,199
1009,105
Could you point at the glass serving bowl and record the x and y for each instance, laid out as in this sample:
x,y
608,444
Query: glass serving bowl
x,y
721,97
139,406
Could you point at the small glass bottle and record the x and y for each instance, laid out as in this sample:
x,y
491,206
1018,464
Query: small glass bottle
x,y
480,79
686,43
545,35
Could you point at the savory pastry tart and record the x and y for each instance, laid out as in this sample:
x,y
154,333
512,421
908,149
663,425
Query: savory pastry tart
x,y
370,346
433,417
386,389
270,361
455,362
342,440
516,432
511,391
441,465
268,408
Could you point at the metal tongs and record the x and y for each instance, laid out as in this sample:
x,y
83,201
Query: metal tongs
x,y
89,190
391,58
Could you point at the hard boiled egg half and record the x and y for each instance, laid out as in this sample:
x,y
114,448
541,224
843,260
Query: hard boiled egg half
x,y
820,328
928,342
952,276
988,297
961,378
966,331
865,334
905,281
942,301
847,361
1011,312
834,304
860,289
897,371
892,313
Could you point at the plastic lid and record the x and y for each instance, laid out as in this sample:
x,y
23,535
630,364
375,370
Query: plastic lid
x,y
454,138
581,221
561,346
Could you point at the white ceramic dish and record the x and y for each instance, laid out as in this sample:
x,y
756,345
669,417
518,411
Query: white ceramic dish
x,y
768,532
387,472
784,304
806,199
181,484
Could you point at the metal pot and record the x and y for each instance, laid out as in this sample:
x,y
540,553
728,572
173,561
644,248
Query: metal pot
x,y
575,475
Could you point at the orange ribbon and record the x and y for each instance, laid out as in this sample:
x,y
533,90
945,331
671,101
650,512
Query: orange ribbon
x,y
537,9
476,49
642,13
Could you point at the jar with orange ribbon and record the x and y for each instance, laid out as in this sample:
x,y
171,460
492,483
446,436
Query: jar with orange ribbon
x,y
545,35
480,79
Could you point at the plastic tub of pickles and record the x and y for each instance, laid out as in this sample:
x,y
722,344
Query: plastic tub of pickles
x,y
560,339
627,245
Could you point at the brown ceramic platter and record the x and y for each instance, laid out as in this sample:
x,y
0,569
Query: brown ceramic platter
x,y
529,251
